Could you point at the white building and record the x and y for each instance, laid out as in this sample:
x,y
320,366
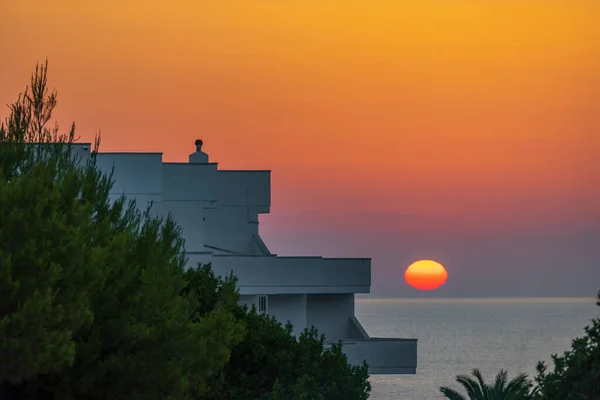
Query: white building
x,y
218,211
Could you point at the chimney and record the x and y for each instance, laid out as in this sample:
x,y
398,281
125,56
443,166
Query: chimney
x,y
198,157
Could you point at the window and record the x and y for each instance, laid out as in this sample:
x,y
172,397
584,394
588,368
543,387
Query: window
x,y
263,304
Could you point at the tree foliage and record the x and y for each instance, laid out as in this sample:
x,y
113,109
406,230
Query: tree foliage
x,y
518,388
92,291
271,363
575,374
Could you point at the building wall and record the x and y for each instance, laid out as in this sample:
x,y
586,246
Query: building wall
x,y
384,356
242,188
189,215
189,182
330,313
216,208
81,152
248,300
138,176
133,173
289,307
241,196
273,275
230,229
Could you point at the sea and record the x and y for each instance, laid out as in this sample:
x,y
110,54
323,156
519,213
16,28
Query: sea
x,y
457,335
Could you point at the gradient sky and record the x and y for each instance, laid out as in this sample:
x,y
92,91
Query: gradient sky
x,y
465,131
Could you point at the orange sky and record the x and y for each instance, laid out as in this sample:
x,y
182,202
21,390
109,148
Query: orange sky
x,y
481,112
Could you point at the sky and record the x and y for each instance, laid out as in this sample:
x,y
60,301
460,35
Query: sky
x,y
463,131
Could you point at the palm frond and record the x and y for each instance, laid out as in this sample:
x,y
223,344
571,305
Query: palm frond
x,y
500,381
473,388
452,394
518,384
477,374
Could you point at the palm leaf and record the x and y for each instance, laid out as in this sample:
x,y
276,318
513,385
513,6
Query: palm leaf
x,y
473,388
518,384
452,394
500,381
477,374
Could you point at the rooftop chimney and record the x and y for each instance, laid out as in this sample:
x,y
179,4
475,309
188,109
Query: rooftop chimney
x,y
199,157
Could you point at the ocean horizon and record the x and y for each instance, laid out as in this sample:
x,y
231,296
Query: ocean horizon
x,y
367,297
458,334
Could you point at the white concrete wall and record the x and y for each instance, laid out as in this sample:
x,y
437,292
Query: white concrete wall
x,y
82,152
292,275
249,300
134,173
241,196
330,313
289,307
189,182
137,175
231,230
384,356
189,215
240,188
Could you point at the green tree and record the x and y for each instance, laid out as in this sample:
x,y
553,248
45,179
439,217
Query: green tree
x,y
576,374
93,300
270,363
518,388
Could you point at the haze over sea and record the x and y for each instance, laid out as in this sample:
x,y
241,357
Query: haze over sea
x,y
457,335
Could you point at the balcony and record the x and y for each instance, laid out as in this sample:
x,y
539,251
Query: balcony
x,y
383,355
269,274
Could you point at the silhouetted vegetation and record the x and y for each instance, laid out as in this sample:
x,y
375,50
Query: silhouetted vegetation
x,y
575,374
518,388
95,301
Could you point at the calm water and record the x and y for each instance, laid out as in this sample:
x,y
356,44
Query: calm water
x,y
456,335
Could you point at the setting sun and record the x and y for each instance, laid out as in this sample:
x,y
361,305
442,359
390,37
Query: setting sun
x,y
426,275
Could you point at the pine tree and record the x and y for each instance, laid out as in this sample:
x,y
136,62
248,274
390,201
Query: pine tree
x,y
92,299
